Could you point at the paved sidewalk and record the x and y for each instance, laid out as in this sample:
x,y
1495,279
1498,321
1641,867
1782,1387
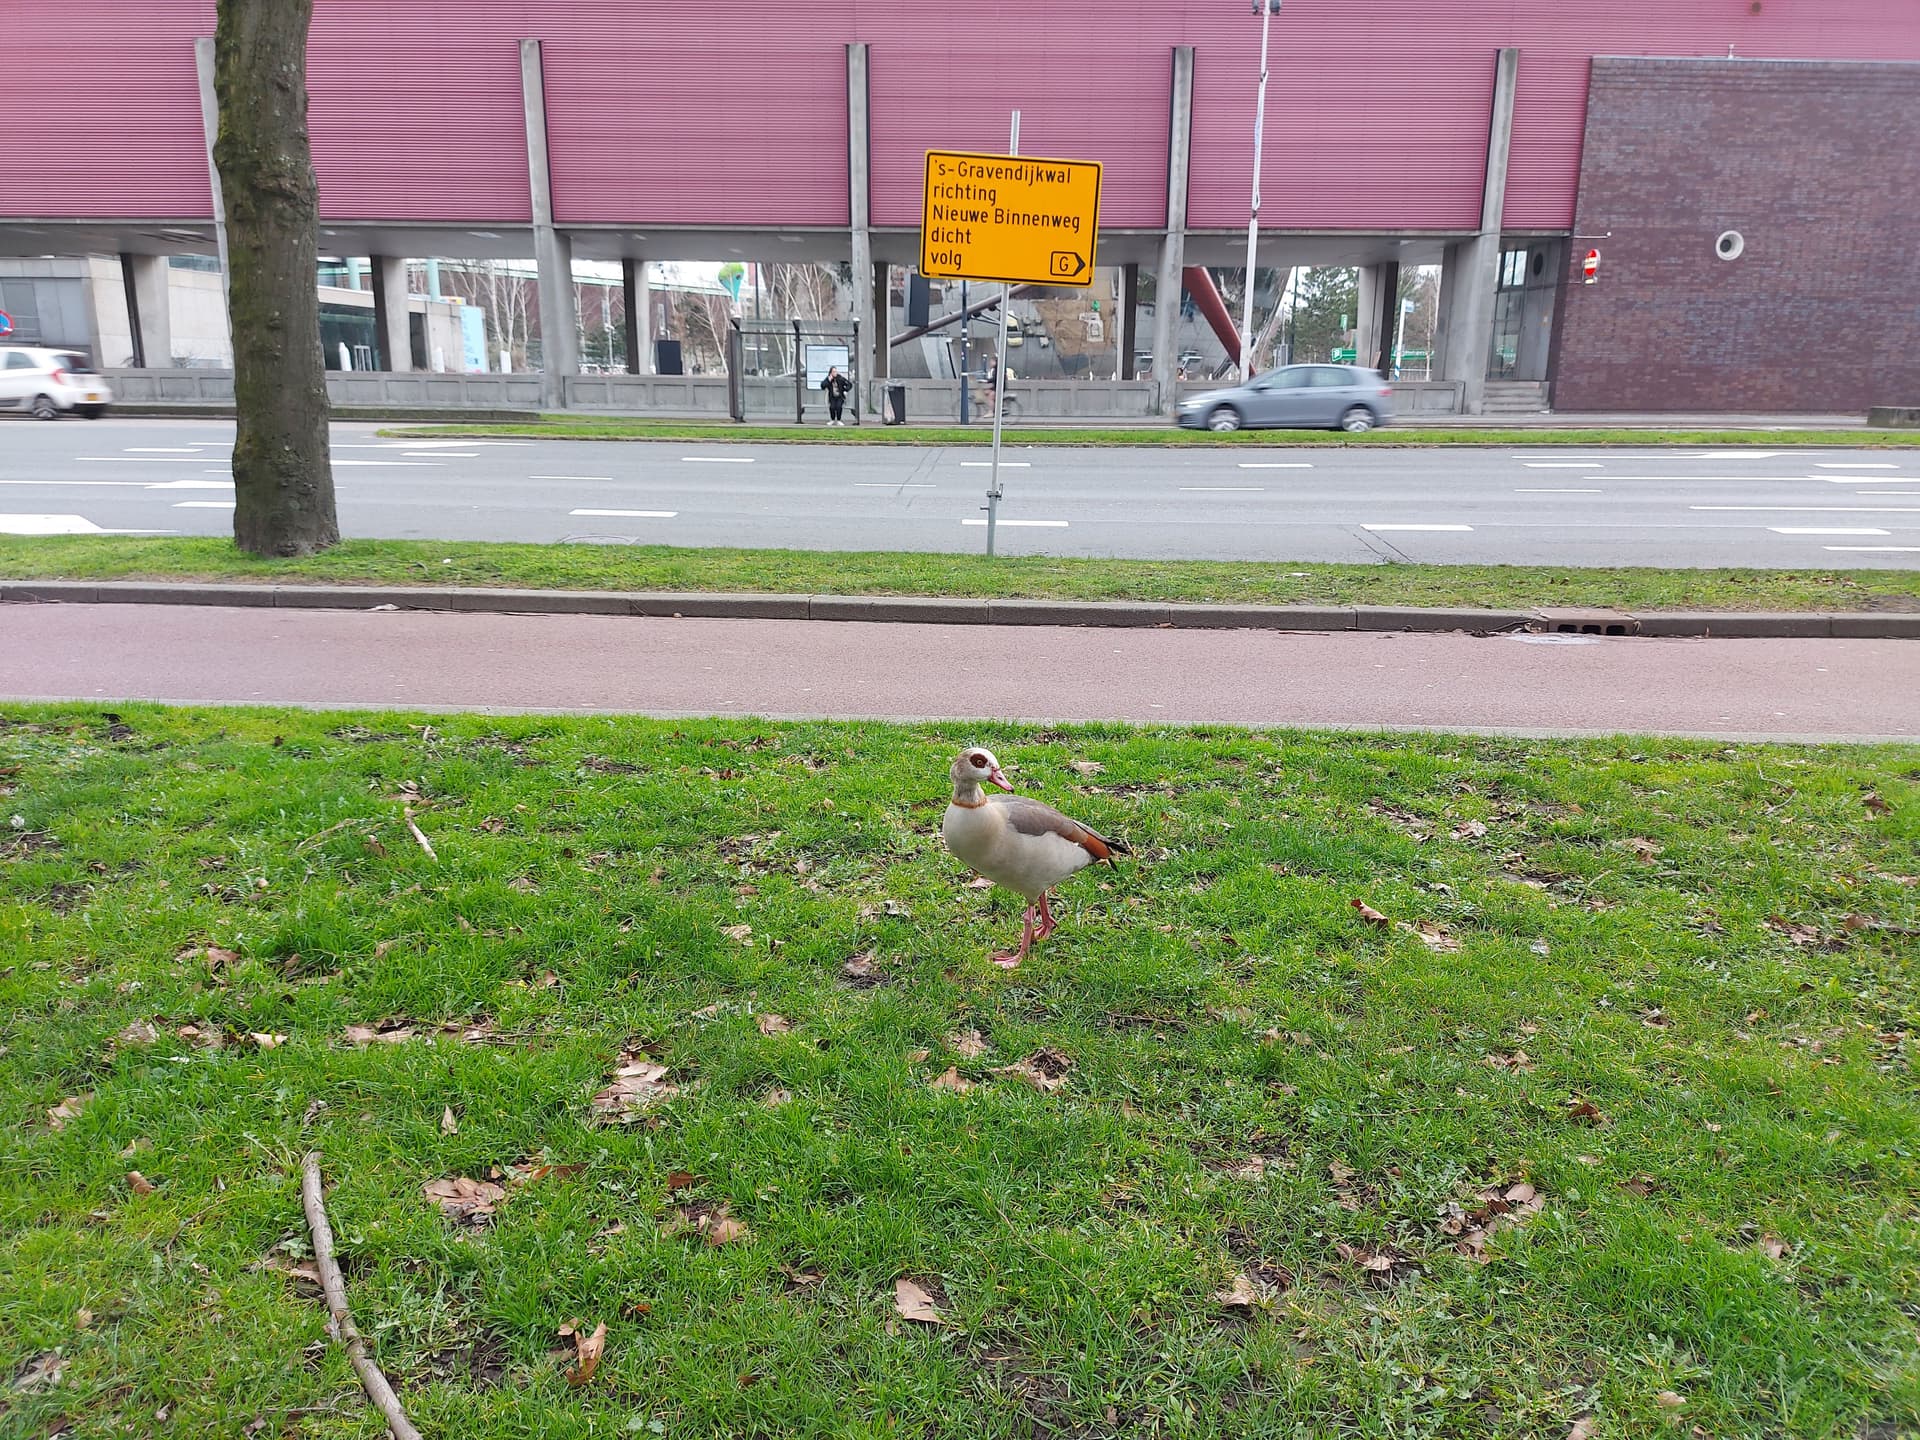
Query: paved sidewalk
x,y
1828,689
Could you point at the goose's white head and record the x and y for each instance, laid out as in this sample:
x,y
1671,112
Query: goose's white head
x,y
975,765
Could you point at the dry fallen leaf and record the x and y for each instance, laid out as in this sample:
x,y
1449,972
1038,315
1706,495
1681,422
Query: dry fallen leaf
x,y
1045,1070
1642,849
1433,934
741,933
464,1199
395,1033
1585,1111
1667,1400
139,1183
859,968
1240,1295
637,1084
67,1109
83,1319
950,1080
1772,1248
1469,830
802,1279
914,1057
1086,767
139,1033
967,1044
725,1230
448,1125
43,1372
1369,914
773,1024
1798,933
913,1303
775,1098
979,882
266,1040
1874,803
1584,1428
587,1350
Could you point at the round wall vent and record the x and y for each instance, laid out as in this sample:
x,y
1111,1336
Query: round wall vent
x,y
1730,244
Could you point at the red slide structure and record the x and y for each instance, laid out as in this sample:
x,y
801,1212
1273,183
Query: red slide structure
x,y
1199,284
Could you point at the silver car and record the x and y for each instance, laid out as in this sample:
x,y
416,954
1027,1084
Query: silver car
x,y
1297,397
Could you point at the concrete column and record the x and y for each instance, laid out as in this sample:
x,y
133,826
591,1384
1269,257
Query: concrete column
x,y
880,322
1129,303
869,361
391,326
637,292
210,123
552,251
1173,245
1366,317
1477,270
149,309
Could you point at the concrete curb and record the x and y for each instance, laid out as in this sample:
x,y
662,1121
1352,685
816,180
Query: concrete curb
x,y
1893,625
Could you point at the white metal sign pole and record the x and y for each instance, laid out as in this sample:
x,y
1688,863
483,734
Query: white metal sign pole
x,y
1000,375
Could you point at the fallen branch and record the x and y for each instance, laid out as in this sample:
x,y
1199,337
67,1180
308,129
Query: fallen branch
x,y
406,813
339,1322
330,830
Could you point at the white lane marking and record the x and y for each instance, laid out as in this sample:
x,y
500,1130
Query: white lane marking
x,y
149,459
63,525
1866,479
631,514
112,484
1563,464
192,485
717,459
1416,527
163,449
1874,549
891,485
570,477
1854,465
449,454
1004,464
1036,524
1821,530
1225,489
1816,509
397,464
204,504
1563,491
1707,477
1878,493
1275,465
1654,455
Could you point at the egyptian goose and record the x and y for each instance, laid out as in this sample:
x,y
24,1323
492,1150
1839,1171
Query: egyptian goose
x,y
1019,844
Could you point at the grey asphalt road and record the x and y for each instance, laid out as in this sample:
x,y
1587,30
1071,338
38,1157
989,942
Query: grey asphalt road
x,y
1506,505
1544,684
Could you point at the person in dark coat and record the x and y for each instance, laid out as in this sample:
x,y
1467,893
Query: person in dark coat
x,y
836,385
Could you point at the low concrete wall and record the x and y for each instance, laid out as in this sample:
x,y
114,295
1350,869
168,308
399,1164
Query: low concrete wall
x,y
704,396
1037,399
365,388
1897,417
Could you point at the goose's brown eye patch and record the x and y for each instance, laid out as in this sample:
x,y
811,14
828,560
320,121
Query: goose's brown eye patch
x,y
979,762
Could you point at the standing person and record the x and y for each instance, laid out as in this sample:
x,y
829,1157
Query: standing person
x,y
836,385
993,383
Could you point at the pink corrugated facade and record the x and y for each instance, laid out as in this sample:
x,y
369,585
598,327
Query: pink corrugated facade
x,y
736,115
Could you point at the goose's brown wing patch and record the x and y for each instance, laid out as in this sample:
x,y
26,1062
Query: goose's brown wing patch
x,y
1030,817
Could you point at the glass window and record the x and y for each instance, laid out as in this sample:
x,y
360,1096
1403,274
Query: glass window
x,y
20,360
1330,377
1295,379
76,363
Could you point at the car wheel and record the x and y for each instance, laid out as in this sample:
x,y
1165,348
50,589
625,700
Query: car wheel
x,y
43,408
1357,419
1224,418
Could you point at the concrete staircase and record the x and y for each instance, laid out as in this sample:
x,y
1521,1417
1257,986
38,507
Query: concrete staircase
x,y
1514,397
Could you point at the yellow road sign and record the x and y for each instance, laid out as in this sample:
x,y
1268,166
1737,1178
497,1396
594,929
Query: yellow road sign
x,y
1018,218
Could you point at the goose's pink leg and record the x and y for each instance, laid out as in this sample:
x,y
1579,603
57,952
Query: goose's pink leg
x,y
1047,923
1006,961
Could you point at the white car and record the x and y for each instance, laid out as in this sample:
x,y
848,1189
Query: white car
x,y
44,383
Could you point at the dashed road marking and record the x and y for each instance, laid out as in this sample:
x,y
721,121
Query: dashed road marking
x,y
1383,528
717,459
630,514
1821,530
1035,524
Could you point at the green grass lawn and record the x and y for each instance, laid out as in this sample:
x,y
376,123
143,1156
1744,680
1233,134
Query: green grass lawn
x,y
614,427
662,567
1653,1000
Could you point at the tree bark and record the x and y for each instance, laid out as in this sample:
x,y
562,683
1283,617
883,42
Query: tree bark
x,y
282,476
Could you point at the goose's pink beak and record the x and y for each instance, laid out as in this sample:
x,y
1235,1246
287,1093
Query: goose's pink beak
x,y
1001,780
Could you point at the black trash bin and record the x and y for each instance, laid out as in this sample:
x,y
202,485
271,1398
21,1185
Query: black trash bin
x,y
896,405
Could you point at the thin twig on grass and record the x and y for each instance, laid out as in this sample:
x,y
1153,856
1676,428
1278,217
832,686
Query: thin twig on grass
x,y
339,1322
330,830
406,813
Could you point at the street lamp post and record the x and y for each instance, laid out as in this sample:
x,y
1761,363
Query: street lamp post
x,y
1266,10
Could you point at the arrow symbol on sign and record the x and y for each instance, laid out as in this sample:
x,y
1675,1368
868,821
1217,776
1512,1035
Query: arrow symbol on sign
x,y
1065,265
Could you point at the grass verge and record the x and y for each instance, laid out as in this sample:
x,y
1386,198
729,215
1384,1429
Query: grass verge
x,y
663,567
1611,1114
607,427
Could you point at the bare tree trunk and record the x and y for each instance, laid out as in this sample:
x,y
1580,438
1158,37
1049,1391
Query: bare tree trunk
x,y
282,477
